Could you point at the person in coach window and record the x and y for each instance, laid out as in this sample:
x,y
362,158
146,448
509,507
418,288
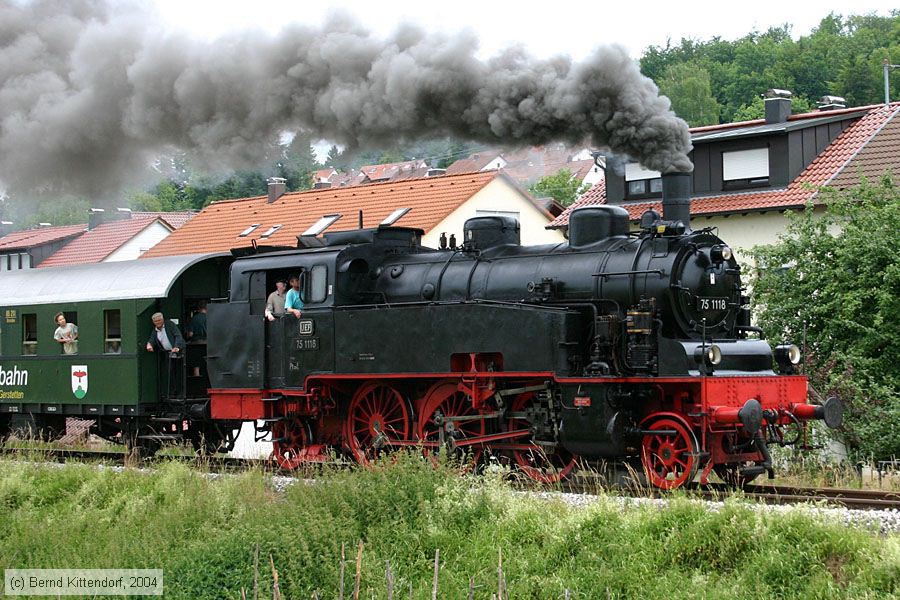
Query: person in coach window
x,y
165,336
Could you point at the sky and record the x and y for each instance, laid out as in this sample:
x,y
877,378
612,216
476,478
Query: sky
x,y
546,29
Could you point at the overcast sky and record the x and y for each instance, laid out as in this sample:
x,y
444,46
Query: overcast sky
x,y
545,28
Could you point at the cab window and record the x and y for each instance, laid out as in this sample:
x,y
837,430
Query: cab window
x,y
318,284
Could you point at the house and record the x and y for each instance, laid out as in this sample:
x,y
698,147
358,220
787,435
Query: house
x,y
487,160
530,165
28,248
389,171
748,174
118,235
436,205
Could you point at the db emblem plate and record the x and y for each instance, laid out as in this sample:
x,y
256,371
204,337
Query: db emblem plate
x,y
306,327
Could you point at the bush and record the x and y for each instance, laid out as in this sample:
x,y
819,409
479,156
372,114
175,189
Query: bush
x,y
832,285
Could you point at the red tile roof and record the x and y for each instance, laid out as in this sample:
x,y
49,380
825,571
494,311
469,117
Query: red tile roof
x,y
99,242
473,163
30,238
822,171
176,218
389,170
217,226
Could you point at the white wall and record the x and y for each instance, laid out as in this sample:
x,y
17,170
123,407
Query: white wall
x,y
140,243
495,164
743,232
498,195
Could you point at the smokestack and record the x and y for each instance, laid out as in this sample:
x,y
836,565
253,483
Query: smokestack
x,y
826,103
276,188
676,194
778,105
95,217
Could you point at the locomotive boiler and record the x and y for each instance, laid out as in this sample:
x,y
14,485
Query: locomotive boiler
x,y
620,344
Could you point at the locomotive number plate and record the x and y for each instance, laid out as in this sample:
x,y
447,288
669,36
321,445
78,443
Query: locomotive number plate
x,y
304,344
711,304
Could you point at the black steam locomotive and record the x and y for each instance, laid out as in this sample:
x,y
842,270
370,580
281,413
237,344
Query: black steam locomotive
x,y
618,344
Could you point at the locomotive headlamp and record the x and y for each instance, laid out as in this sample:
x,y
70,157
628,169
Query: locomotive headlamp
x,y
708,355
720,253
787,354
714,355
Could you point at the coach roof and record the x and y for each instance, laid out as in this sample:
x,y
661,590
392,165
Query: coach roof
x,y
121,280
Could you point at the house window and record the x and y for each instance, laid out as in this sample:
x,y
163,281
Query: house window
x,y
271,230
745,168
641,182
29,334
112,331
249,230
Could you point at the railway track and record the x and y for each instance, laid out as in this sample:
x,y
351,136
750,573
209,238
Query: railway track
x,y
769,494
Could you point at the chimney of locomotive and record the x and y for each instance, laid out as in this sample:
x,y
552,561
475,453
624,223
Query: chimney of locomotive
x,y
676,198
277,186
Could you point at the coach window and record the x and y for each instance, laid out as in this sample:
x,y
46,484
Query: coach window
x,y
318,284
29,334
112,332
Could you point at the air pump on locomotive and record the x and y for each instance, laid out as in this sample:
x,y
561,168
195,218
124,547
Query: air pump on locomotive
x,y
617,345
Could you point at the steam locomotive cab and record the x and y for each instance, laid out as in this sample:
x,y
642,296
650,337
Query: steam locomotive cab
x,y
617,344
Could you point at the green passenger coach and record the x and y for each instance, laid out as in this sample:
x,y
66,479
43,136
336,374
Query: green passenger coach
x,y
112,378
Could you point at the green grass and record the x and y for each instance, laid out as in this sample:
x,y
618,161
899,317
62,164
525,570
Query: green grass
x,y
204,532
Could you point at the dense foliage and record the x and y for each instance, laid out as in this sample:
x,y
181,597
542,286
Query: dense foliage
x,y
204,534
842,56
832,285
562,186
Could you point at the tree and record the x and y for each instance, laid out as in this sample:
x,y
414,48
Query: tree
x,y
561,186
757,109
335,158
687,86
830,285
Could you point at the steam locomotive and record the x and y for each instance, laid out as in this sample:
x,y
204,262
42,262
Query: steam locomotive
x,y
619,345
616,344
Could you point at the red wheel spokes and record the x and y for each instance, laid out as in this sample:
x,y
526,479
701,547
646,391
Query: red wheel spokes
x,y
376,411
669,459
445,398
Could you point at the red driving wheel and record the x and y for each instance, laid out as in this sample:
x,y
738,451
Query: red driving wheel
x,y
669,458
377,414
444,399
537,463
291,438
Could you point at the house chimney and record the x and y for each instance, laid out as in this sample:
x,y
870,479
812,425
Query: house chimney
x,y
5,227
831,103
676,198
96,216
276,188
434,172
778,105
321,185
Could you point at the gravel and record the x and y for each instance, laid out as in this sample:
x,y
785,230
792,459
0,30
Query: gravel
x,y
884,522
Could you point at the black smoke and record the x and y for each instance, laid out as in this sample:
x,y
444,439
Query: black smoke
x,y
90,92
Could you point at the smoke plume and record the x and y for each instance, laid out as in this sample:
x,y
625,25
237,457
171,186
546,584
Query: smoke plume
x,y
90,92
